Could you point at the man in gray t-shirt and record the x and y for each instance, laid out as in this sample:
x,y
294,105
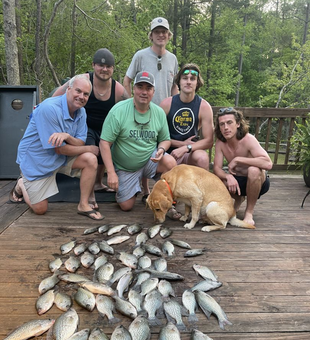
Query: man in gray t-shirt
x,y
156,60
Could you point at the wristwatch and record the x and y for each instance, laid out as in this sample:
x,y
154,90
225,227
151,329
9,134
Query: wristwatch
x,y
189,148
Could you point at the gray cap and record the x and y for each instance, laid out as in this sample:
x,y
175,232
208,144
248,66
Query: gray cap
x,y
144,77
104,56
159,22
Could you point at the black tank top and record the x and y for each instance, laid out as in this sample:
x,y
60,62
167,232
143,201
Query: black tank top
x,y
97,110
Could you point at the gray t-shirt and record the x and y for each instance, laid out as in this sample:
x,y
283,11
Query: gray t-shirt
x,y
147,60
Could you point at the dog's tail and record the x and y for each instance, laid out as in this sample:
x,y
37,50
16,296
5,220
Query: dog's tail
x,y
234,221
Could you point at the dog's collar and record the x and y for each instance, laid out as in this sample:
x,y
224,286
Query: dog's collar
x,y
168,186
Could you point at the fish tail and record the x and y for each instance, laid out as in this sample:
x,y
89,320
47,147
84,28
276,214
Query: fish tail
x,y
192,318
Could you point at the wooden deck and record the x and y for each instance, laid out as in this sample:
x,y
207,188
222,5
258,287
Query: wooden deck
x,y
265,272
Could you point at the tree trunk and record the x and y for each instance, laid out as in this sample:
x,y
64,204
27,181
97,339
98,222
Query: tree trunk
x,y
11,51
73,41
19,41
37,66
211,42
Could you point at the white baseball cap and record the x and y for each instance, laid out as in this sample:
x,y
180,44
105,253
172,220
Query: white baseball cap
x,y
162,22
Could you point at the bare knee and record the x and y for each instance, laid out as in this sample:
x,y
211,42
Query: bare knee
x,y
166,164
127,205
254,173
40,208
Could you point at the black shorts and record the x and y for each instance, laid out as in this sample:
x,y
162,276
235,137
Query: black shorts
x,y
242,181
93,138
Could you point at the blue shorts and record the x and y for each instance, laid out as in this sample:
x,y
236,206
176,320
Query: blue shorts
x,y
242,181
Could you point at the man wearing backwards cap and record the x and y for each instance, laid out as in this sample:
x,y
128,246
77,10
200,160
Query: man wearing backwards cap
x,y
134,139
105,94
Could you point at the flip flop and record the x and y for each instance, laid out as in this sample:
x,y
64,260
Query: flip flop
x,y
88,214
105,189
14,192
144,198
93,204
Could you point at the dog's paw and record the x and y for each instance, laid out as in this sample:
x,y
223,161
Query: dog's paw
x,y
189,226
207,228
183,219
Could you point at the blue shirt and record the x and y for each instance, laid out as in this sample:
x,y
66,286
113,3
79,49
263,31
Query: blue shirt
x,y
36,157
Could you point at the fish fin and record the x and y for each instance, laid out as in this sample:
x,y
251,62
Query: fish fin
x,y
224,322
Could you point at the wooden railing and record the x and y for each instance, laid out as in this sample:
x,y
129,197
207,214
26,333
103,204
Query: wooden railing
x,y
274,128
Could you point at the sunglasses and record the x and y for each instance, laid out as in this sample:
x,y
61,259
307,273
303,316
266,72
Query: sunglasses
x,y
193,72
159,66
226,110
141,124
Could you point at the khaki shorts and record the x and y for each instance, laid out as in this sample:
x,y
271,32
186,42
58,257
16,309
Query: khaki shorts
x,y
44,188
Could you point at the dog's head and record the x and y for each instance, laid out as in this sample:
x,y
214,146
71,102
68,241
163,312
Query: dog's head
x,y
159,203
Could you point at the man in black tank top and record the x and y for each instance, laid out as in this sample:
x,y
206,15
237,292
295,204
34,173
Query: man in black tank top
x,y
106,92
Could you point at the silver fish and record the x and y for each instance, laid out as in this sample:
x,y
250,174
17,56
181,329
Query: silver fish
x,y
160,264
103,245
149,285
168,248
67,247
93,248
189,302
143,276
135,299
180,243
206,285
72,264
101,260
198,335
165,232
209,306
128,260
141,239
151,249
62,301
169,332
173,309
161,275
125,307
134,229
152,302
87,259
85,299
154,230
97,288
30,329
117,275
81,335
71,277
48,283
90,231
102,229
123,284
140,329
194,252
118,239
165,289
45,302
55,264
121,333
65,325
144,262
205,272
79,249
98,334
105,307
116,229
104,272
139,251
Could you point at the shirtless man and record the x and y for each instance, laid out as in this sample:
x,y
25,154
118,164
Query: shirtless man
x,y
247,160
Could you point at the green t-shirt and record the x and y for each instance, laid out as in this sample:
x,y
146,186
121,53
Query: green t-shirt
x,y
133,144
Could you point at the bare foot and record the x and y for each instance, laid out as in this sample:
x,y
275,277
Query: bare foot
x,y
248,218
238,201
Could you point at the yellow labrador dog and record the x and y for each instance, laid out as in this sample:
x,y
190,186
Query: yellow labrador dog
x,y
203,193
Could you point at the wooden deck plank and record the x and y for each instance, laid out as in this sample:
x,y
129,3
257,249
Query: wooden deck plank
x,y
265,272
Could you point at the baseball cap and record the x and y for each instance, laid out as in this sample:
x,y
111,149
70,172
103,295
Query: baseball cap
x,y
145,77
104,56
159,22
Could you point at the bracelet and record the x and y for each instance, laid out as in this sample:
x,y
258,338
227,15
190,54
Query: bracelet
x,y
161,148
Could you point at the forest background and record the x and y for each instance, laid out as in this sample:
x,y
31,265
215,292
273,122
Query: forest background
x,y
251,53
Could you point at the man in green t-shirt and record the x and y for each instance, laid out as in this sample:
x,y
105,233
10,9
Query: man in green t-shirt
x,y
134,139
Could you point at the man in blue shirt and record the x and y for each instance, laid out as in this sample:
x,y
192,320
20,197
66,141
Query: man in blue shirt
x,y
54,141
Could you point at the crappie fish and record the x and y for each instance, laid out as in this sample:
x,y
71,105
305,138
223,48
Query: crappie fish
x,y
165,232
198,335
152,302
128,260
62,301
81,335
71,277
154,230
125,307
173,309
134,229
140,329
97,288
87,259
104,272
141,239
135,299
161,275
123,284
116,229
189,302
169,332
117,275
209,306
102,229
100,261
205,272
97,334
121,333
55,264
165,289
105,247
30,329
79,249
144,262
48,283
194,252
105,307
90,230
85,299
67,247
151,249
139,251
117,239
168,248
206,285
72,264
93,248
180,243
143,276
45,302
65,325
160,264
149,285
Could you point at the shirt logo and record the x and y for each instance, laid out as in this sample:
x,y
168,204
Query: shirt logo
x,y
183,120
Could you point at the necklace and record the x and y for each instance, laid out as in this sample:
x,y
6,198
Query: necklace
x,y
102,94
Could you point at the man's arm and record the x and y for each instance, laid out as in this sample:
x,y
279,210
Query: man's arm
x,y
105,151
127,85
120,92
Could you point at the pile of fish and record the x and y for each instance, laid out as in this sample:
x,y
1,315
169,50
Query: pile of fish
x,y
142,289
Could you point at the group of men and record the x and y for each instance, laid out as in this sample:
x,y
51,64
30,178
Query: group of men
x,y
92,125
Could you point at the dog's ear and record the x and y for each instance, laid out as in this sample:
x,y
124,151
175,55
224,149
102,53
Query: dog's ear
x,y
165,204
